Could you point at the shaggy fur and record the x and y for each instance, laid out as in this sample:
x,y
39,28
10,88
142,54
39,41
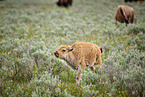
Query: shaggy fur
x,y
80,54
124,14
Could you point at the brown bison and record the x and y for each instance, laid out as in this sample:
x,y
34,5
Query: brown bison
x,y
124,14
64,3
134,0
80,55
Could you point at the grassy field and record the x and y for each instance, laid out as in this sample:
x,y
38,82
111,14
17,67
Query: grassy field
x,y
31,30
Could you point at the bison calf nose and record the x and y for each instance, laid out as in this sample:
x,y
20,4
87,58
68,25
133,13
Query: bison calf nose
x,y
56,54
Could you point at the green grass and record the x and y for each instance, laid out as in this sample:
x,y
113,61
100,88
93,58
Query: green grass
x,y
31,30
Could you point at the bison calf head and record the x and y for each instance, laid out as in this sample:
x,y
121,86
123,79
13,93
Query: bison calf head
x,y
63,51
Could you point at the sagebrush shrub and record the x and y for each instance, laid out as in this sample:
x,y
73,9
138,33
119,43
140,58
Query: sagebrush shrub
x,y
31,30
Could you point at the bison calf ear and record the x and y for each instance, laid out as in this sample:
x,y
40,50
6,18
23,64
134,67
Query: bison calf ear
x,y
101,48
70,49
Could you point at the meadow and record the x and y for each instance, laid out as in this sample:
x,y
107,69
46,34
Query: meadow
x,y
31,30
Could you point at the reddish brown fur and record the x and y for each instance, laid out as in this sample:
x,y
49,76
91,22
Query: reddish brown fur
x,y
124,14
79,55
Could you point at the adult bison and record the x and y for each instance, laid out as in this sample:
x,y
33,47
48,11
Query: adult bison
x,y
124,14
134,0
64,3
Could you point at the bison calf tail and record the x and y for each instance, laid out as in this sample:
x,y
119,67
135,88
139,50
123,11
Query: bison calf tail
x,y
101,49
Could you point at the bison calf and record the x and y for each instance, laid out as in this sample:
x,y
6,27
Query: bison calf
x,y
124,14
65,3
80,54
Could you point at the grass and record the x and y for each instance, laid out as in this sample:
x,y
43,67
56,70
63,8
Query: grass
x,y
31,30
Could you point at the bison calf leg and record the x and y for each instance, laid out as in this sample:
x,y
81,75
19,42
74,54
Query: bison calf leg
x,y
80,70
78,78
92,68
99,61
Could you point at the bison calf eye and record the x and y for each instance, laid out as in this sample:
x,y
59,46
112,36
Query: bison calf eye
x,y
63,50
